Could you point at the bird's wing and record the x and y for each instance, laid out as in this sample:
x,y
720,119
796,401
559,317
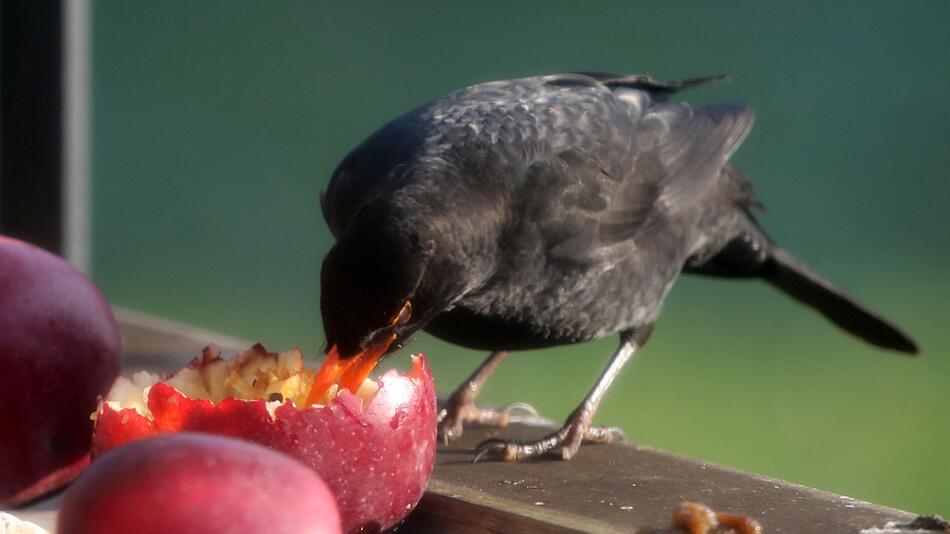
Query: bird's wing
x,y
610,192
603,154
692,146
688,145
646,83
578,209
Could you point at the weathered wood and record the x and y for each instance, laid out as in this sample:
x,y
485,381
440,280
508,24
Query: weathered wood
x,y
621,488
165,346
604,489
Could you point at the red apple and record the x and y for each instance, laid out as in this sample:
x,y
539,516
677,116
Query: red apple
x,y
375,448
59,350
197,483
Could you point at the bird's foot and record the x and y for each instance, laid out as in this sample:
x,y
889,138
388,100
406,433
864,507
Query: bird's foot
x,y
567,439
578,427
459,411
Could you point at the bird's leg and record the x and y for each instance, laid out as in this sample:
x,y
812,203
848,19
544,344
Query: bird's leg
x,y
460,408
577,427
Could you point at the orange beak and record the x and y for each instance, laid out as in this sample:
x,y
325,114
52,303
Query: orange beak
x,y
329,372
351,372
364,363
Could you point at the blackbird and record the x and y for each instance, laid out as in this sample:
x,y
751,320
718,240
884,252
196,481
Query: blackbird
x,y
543,211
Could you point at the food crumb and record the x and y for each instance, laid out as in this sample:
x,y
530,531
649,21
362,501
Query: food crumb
x,y
698,518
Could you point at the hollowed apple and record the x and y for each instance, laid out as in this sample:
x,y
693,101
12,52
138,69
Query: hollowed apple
x,y
375,448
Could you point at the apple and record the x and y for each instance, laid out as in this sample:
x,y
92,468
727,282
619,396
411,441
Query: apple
x,y
60,349
375,447
196,483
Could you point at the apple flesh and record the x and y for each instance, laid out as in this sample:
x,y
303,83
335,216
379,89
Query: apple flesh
x,y
195,483
374,448
60,349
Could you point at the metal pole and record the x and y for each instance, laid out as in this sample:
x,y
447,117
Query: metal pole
x,y
77,152
44,147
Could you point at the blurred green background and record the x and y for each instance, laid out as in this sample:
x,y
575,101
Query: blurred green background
x,y
218,123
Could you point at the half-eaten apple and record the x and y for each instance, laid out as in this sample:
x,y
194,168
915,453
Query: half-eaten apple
x,y
374,446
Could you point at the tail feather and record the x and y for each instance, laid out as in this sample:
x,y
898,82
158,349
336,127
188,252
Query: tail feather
x,y
789,275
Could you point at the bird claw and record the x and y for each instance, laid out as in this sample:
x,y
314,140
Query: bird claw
x,y
497,449
513,450
453,418
566,438
606,434
449,428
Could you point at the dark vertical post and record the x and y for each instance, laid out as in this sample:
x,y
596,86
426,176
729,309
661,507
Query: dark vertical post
x,y
31,132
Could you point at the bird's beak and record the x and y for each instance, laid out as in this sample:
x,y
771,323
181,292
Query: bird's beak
x,y
352,371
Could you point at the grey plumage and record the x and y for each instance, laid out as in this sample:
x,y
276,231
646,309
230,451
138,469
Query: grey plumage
x,y
550,210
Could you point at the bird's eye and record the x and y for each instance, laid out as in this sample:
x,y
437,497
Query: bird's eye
x,y
403,316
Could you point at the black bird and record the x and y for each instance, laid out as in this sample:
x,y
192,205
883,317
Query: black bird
x,y
543,211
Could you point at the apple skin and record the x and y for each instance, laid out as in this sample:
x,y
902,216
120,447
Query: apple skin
x,y
377,458
197,483
60,348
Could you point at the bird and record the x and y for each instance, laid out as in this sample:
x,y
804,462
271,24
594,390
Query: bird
x,y
544,211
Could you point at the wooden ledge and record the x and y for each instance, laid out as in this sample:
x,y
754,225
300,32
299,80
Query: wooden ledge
x,y
604,489
619,488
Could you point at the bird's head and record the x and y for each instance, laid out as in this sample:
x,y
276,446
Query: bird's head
x,y
373,298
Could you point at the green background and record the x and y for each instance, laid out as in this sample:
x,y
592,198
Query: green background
x,y
218,123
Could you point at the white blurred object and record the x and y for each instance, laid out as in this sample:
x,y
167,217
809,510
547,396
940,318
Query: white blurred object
x,y
10,524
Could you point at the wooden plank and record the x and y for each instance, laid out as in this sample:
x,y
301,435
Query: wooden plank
x,y
623,488
604,489
165,346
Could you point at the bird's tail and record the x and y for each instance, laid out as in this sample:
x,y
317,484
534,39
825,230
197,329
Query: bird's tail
x,y
786,273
